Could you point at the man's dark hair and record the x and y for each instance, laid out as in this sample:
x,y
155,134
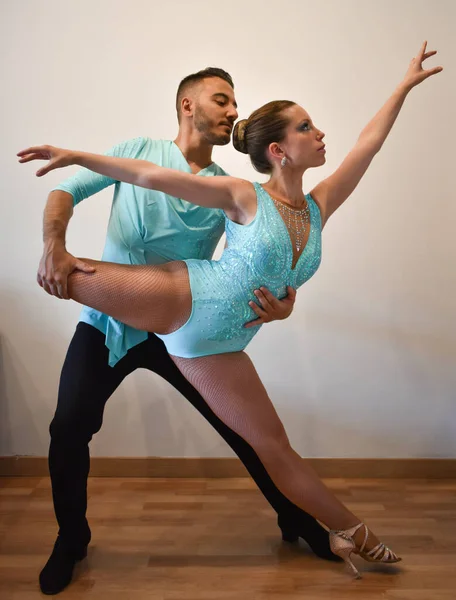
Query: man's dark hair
x,y
196,77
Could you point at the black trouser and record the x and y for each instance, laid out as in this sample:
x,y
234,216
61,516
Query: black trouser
x,y
86,383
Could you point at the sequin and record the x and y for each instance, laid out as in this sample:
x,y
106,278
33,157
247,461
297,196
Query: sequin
x,y
258,254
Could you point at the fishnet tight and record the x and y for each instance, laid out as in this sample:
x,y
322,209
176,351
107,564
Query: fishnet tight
x,y
150,298
158,299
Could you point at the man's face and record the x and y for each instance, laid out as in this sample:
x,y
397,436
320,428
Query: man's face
x,y
215,110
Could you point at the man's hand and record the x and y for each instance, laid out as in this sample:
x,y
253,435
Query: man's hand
x,y
56,265
271,308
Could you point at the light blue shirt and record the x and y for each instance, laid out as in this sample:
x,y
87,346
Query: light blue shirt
x,y
146,227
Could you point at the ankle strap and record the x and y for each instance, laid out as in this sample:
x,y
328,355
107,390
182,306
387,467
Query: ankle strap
x,y
366,535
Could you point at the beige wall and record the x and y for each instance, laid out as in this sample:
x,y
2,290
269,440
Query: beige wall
x,y
367,362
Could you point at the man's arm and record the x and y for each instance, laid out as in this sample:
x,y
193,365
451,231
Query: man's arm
x,y
57,214
271,308
56,264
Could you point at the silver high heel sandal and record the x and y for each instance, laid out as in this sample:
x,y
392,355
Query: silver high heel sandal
x,y
343,544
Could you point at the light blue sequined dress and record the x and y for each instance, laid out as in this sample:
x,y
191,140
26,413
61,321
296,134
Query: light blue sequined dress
x,y
258,254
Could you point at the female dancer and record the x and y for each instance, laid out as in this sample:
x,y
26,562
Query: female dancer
x,y
274,239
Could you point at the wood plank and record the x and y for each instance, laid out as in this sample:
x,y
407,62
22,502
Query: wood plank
x,y
216,539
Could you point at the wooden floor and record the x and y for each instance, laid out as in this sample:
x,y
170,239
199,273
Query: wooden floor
x,y
195,539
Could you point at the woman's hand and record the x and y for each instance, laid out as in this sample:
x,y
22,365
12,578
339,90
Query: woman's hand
x,y
416,74
57,157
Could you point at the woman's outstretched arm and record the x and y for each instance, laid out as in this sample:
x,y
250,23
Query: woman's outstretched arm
x,y
335,189
228,193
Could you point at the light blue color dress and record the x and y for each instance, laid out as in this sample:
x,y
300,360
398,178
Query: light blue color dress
x,y
258,254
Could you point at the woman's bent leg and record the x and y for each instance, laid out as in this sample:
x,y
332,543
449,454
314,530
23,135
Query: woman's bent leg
x,y
150,298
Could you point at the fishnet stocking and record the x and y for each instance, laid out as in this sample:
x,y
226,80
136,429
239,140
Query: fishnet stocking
x,y
158,299
231,386
150,298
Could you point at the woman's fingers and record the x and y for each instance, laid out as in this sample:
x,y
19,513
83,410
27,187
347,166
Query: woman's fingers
x,y
34,150
423,50
29,157
433,71
44,170
430,53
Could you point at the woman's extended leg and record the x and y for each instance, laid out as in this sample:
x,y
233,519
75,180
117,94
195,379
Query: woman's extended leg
x,y
231,386
150,298
158,299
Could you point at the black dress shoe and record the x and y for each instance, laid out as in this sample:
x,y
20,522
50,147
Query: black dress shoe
x,y
58,570
311,532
